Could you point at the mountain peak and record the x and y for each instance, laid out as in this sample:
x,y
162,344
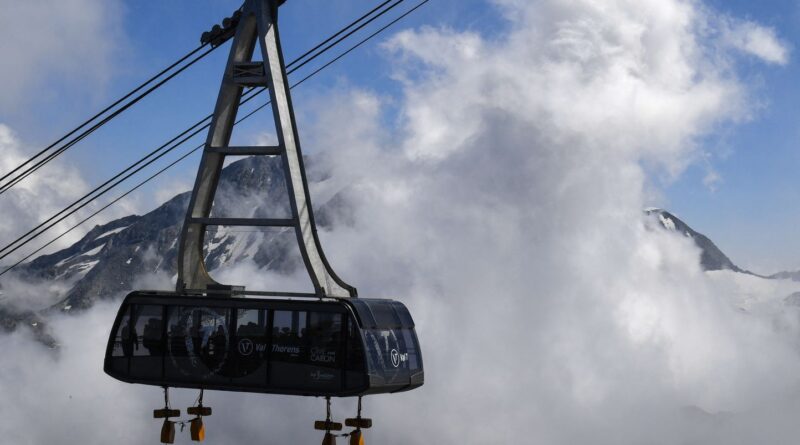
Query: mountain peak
x,y
711,258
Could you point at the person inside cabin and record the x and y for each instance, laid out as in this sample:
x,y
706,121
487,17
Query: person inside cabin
x,y
130,339
151,338
177,341
218,343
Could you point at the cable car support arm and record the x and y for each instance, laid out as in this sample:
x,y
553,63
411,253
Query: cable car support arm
x,y
257,27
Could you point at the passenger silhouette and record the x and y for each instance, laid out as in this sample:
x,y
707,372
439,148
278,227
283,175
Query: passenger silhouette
x,y
198,348
177,341
151,339
130,339
218,343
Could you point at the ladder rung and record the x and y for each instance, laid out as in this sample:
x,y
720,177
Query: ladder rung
x,y
244,69
249,74
254,222
251,81
247,150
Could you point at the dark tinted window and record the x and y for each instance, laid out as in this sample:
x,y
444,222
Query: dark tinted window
x,y
123,338
198,343
288,350
325,333
387,356
364,313
384,314
355,348
412,347
149,328
288,336
355,366
122,345
402,312
142,336
251,342
324,336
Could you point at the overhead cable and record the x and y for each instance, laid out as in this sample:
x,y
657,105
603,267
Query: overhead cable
x,y
13,177
10,248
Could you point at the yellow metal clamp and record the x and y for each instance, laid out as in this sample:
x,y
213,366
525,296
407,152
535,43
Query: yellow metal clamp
x,y
197,429
356,438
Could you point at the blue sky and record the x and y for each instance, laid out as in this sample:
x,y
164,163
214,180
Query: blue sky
x,y
751,212
157,33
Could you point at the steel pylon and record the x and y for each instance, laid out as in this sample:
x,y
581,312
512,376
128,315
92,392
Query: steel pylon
x,y
257,27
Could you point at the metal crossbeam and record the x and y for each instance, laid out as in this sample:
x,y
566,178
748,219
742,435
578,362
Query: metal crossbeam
x,y
254,222
247,151
257,27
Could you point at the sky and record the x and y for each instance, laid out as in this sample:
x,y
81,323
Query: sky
x,y
497,157
738,190
749,212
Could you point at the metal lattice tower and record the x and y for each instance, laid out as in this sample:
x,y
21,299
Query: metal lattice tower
x,y
257,27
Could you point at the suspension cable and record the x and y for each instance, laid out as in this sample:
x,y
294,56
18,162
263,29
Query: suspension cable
x,y
28,171
392,6
247,97
104,110
297,60
91,130
107,186
138,186
20,177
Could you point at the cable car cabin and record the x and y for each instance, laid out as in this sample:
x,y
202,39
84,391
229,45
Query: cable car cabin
x,y
332,347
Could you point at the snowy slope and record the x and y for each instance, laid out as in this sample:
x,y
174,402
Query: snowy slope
x,y
111,259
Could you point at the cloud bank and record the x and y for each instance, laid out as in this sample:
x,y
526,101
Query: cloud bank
x,y
47,47
51,43
505,209
756,40
37,197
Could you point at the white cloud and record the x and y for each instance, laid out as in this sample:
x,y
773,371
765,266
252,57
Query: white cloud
x,y
50,47
169,189
711,179
507,213
40,196
37,197
61,42
756,40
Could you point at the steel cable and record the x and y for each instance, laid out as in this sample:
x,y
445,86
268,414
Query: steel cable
x,y
28,171
247,97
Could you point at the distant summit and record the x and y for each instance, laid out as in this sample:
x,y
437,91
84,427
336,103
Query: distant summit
x,y
711,258
113,258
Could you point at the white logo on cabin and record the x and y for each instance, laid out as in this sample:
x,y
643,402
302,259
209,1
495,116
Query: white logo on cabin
x,y
245,346
286,349
398,358
323,355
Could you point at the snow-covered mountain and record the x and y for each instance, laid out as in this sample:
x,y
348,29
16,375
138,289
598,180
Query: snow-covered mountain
x,y
110,258
711,257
